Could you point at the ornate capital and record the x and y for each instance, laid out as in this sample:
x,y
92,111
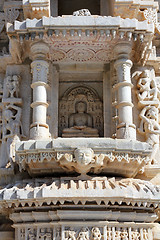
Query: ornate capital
x,y
39,50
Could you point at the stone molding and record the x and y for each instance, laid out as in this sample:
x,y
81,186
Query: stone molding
x,y
56,32
107,159
107,191
78,215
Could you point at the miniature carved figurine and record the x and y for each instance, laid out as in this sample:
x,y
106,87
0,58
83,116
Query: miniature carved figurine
x,y
135,235
45,235
147,87
80,123
31,235
70,235
82,12
12,84
12,120
145,234
109,233
12,128
150,127
124,234
83,234
117,235
96,234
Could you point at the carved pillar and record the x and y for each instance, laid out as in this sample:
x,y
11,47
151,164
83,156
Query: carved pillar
x,y
40,68
125,129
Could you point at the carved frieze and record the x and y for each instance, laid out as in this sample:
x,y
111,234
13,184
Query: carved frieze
x,y
87,233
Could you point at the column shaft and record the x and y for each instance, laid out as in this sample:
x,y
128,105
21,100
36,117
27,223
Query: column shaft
x,y
40,69
125,129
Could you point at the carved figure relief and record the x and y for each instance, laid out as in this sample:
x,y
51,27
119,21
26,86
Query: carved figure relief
x,y
31,234
147,88
12,84
150,126
96,234
117,235
70,235
45,234
12,121
12,129
135,235
82,162
83,234
80,113
148,96
86,233
124,234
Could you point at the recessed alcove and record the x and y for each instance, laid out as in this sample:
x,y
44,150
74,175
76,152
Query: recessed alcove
x,y
81,105
67,7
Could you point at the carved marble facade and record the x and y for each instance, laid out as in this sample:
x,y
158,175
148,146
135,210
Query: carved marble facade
x,y
79,120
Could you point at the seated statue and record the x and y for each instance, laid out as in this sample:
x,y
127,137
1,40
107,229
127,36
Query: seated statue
x,y
80,123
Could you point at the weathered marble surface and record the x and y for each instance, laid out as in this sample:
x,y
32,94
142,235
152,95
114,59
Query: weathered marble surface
x,y
107,65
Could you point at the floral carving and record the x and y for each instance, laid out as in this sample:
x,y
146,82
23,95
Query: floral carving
x,y
81,55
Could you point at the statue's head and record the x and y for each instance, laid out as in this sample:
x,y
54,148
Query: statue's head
x,y
152,113
8,114
145,74
84,155
81,107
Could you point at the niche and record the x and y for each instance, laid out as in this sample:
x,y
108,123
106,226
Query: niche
x,y
80,113
67,7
